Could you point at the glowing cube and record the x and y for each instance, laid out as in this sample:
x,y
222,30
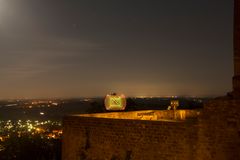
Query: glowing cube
x,y
115,102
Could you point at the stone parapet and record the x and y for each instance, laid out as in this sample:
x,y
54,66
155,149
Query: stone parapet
x,y
126,139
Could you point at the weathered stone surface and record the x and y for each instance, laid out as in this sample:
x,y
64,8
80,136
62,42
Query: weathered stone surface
x,y
148,115
214,135
105,139
219,130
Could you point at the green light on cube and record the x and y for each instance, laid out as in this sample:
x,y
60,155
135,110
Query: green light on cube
x,y
115,102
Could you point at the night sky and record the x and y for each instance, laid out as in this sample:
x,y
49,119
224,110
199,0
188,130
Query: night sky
x,y
74,48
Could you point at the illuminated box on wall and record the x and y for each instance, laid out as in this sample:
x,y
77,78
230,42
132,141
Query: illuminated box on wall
x,y
115,102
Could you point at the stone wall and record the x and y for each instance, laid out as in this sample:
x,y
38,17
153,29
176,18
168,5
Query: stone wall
x,y
219,130
214,135
149,115
127,139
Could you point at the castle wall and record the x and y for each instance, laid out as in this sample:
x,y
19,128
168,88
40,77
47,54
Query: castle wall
x,y
219,130
148,115
126,139
214,135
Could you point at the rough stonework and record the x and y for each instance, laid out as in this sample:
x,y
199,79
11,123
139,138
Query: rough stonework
x,y
212,135
219,130
148,115
127,139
